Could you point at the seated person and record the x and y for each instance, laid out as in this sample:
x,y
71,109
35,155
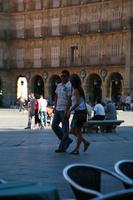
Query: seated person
x,y
110,113
110,110
99,112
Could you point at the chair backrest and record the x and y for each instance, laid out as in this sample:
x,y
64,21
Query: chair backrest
x,y
125,169
118,195
2,181
85,180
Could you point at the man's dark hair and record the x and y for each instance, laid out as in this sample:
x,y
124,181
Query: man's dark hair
x,y
66,72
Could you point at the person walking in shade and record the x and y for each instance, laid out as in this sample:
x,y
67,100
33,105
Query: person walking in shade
x,y
78,107
31,111
42,111
62,104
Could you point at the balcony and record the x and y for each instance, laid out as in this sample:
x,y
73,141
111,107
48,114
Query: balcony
x,y
29,33
93,61
28,63
66,62
12,63
64,30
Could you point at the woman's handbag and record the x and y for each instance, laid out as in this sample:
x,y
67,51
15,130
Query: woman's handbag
x,y
81,115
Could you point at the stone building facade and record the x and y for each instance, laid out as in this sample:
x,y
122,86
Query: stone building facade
x,y
40,38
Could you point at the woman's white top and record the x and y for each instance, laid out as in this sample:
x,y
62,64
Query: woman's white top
x,y
81,106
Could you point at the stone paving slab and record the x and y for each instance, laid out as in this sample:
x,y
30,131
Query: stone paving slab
x,y
28,155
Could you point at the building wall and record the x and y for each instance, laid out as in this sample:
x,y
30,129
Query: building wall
x,y
86,37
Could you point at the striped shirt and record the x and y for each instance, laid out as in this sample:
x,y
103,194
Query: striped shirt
x,y
63,91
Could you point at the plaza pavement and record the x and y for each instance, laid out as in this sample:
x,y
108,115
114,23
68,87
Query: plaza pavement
x,y
28,155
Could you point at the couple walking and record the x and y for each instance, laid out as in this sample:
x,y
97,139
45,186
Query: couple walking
x,y
69,98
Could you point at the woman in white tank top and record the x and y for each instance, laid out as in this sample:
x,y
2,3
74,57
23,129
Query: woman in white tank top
x,y
78,107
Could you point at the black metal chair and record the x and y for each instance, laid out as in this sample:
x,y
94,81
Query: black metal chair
x,y
89,181
125,169
118,195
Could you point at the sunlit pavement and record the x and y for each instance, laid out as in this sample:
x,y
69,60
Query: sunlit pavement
x,y
28,155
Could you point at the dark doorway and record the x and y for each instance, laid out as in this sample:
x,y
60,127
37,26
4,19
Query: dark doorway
x,y
38,85
116,86
95,88
52,87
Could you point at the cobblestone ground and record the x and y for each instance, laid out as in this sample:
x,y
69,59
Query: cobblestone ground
x,y
28,155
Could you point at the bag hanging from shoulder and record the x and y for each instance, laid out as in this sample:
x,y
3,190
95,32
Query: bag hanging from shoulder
x,y
81,115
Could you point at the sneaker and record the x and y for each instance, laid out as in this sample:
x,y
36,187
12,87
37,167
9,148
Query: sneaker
x,y
60,151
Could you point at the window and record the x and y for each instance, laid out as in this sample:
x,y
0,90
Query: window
x,y
74,54
55,53
74,24
37,57
20,4
37,4
20,29
37,28
56,3
94,51
115,49
116,17
20,58
55,26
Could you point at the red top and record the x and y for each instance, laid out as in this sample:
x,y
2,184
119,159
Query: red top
x,y
36,105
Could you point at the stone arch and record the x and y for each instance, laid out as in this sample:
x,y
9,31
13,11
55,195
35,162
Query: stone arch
x,y
114,85
22,87
53,81
93,88
37,85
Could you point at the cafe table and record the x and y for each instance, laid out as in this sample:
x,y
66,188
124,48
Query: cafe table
x,y
28,191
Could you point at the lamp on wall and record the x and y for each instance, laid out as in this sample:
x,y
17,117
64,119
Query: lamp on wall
x,y
22,82
95,82
38,83
116,82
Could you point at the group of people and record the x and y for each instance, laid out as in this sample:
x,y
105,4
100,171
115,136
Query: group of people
x,y
37,108
106,110
69,101
124,103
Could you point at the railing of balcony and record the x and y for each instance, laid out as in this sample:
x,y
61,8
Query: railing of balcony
x,y
76,29
28,63
37,63
46,62
37,32
66,62
12,63
29,33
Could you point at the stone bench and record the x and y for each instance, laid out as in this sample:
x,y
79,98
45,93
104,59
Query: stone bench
x,y
102,125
